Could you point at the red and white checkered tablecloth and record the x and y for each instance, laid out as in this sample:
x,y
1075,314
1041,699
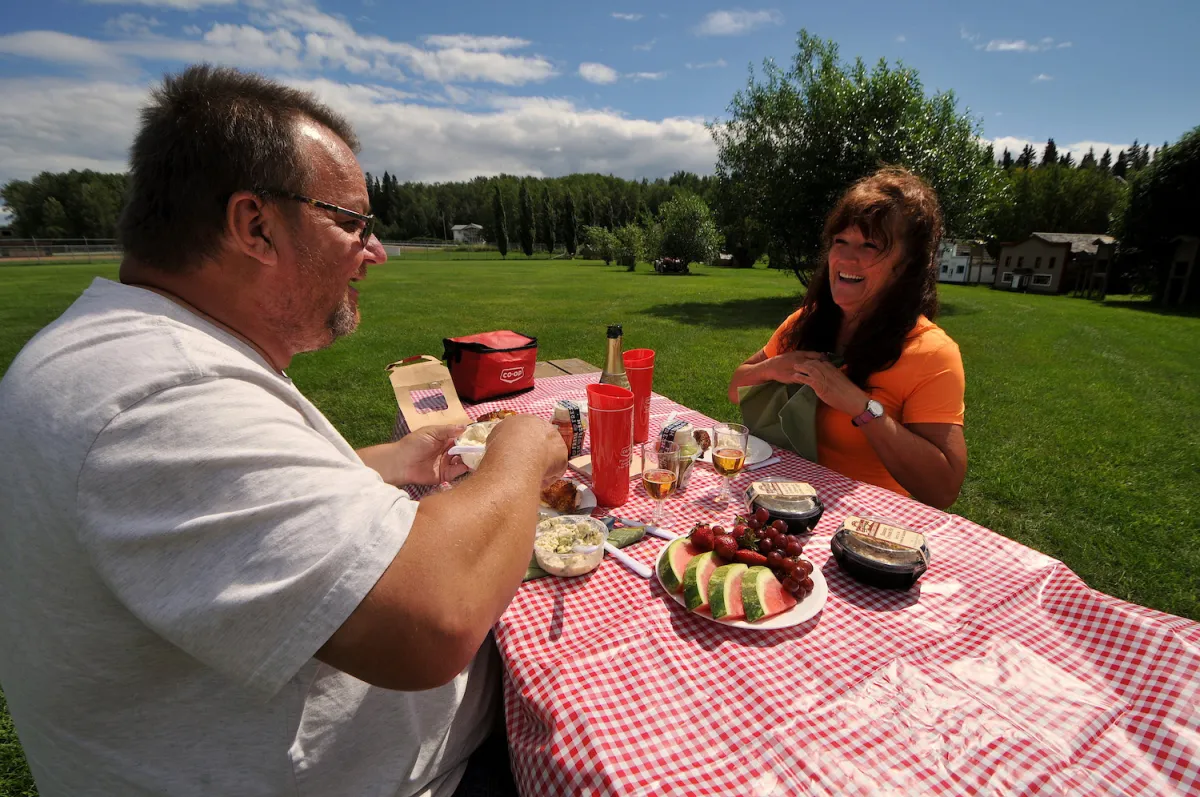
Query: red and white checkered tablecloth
x,y
1000,672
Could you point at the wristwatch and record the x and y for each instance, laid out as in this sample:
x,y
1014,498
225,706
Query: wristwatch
x,y
874,410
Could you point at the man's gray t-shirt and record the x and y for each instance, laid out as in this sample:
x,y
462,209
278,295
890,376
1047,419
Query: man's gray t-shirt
x,y
180,531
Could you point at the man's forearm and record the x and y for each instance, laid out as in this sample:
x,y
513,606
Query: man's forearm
x,y
383,460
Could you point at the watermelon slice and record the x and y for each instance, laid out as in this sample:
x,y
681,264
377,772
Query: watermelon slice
x,y
725,591
696,578
763,595
674,562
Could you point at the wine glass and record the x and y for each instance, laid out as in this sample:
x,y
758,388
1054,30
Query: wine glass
x,y
729,444
660,474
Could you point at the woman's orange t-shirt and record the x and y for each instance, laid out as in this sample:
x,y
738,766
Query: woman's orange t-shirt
x,y
926,385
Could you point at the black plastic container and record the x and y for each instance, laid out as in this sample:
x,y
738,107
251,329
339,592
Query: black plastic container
x,y
800,512
880,552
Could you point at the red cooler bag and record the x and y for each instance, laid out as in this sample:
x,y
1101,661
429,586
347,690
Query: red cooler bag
x,y
491,364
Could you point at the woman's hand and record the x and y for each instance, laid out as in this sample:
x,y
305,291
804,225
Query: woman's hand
x,y
831,385
789,368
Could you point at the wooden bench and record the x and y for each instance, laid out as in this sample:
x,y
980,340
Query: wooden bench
x,y
563,367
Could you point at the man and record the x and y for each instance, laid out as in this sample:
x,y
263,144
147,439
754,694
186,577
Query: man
x,y
206,590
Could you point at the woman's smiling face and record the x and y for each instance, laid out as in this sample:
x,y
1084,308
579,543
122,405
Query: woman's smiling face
x,y
860,270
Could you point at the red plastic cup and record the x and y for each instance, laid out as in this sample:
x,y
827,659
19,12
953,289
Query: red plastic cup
x,y
639,368
610,426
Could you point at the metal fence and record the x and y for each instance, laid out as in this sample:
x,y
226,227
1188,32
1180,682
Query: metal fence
x,y
58,250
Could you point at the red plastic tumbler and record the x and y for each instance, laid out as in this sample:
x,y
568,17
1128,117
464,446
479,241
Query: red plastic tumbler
x,y
639,369
610,425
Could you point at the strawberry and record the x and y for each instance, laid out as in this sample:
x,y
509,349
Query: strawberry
x,y
749,539
702,538
751,558
725,547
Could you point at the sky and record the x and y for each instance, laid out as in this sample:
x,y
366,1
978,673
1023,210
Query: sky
x,y
441,91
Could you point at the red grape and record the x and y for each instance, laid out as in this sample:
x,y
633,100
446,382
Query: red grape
x,y
793,546
792,586
754,524
807,584
780,525
718,530
765,546
807,565
762,516
790,566
775,560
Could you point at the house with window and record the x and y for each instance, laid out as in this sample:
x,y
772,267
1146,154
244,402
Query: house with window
x,y
1055,262
965,262
467,233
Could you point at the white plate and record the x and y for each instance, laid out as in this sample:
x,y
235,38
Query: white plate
x,y
756,452
803,611
585,502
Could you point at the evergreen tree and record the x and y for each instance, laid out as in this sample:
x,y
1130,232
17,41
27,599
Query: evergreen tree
x,y
526,229
547,221
1106,160
384,200
1025,161
1050,153
1066,160
1121,167
1133,157
570,224
1089,160
1007,160
500,220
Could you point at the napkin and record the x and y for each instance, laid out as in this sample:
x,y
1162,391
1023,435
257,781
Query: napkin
x,y
620,536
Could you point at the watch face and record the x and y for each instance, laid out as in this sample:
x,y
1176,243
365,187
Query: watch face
x,y
875,408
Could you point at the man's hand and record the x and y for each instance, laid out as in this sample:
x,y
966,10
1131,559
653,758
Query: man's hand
x,y
417,458
550,452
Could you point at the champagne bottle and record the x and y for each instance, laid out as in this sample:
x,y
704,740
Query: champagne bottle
x,y
614,363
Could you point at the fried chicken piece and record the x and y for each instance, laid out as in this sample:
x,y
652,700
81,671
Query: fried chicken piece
x,y
701,436
495,415
561,496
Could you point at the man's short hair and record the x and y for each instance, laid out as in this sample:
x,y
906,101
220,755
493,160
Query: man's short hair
x,y
207,133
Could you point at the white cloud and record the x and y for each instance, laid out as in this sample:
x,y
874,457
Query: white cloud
x,y
180,5
646,46
717,64
192,30
736,21
40,130
60,48
463,41
1020,45
902,38
646,75
130,24
1077,149
1042,78
597,73
626,17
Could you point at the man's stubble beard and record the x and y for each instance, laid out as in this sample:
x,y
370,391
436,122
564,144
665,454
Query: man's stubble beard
x,y
343,318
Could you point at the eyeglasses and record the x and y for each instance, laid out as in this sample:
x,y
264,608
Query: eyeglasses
x,y
368,220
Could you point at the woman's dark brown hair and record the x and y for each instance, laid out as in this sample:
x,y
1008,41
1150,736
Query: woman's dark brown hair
x,y
207,133
895,208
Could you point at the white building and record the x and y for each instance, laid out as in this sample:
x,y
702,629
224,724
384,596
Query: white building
x,y
467,233
954,258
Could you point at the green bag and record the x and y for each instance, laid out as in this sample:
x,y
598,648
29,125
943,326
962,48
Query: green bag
x,y
783,415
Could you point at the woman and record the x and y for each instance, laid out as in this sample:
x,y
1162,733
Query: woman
x,y
893,414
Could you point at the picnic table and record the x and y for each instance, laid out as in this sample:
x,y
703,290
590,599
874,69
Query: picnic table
x,y
1000,672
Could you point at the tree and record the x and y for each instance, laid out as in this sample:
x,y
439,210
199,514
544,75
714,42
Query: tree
x,y
526,220
572,225
1163,203
1050,153
500,220
1066,160
1121,167
629,248
547,221
1106,161
54,218
1006,162
1025,160
1088,161
599,244
688,230
797,138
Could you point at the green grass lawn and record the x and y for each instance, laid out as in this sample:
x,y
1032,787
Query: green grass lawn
x,y
1083,419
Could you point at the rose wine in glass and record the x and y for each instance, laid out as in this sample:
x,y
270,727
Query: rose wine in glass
x,y
660,474
730,441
